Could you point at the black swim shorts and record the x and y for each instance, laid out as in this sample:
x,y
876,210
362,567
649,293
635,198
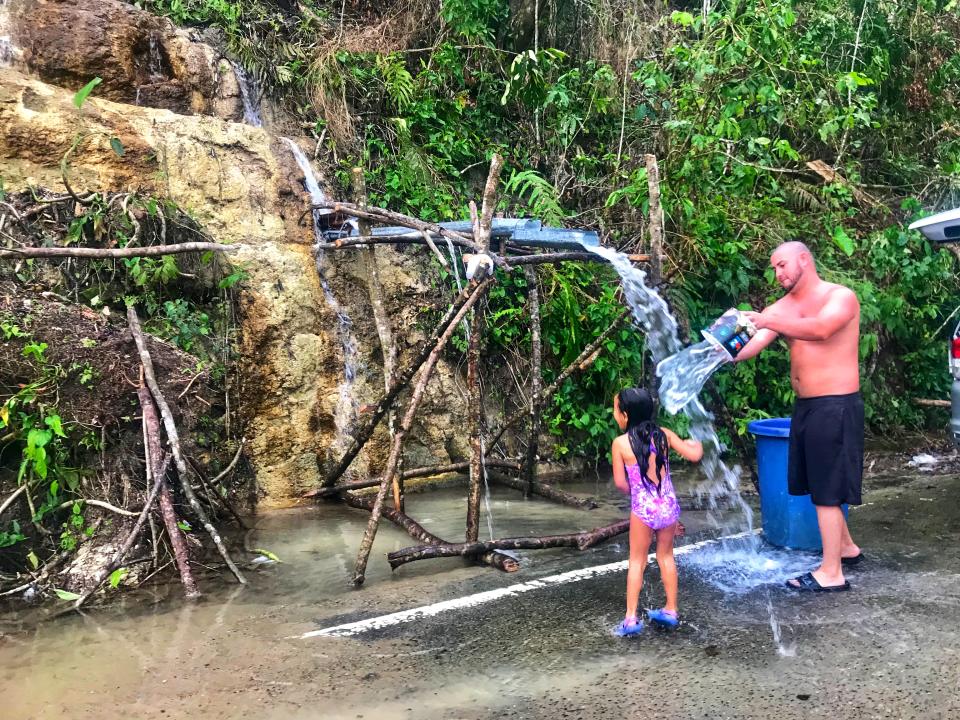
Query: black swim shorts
x,y
826,449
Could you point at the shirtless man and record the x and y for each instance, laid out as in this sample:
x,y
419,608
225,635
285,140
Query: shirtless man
x,y
820,323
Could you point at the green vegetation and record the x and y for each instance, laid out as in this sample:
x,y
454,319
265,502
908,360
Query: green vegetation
x,y
735,105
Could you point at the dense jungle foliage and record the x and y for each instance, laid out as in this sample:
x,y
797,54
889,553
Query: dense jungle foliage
x,y
734,97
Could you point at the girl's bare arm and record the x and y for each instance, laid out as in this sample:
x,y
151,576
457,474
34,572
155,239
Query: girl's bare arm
x,y
691,450
619,473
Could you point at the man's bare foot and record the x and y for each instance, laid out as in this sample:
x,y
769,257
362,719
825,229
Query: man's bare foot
x,y
828,580
849,551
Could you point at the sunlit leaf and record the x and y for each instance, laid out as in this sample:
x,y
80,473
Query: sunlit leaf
x,y
83,93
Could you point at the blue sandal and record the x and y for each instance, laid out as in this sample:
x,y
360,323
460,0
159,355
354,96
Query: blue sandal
x,y
664,617
629,627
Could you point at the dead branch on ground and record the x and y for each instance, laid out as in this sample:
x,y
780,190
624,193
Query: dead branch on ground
x,y
580,541
174,440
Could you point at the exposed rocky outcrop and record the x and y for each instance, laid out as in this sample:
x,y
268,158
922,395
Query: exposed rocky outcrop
x,y
245,188
143,59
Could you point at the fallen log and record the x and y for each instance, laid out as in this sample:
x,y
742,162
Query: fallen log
x,y
418,532
543,490
126,252
932,403
414,473
118,557
580,541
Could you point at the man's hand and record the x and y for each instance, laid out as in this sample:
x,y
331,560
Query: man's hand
x,y
760,320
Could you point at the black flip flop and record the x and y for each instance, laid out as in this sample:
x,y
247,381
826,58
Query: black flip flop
x,y
855,560
808,583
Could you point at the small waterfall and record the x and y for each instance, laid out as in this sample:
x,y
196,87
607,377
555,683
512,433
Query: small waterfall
x,y
347,407
250,95
8,51
155,60
455,260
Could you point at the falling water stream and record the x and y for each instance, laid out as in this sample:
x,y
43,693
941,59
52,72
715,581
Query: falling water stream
x,y
733,566
682,375
347,405
250,95
8,51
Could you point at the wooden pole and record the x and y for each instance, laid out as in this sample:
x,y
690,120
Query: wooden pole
x,y
380,317
543,490
528,474
656,220
481,230
153,451
418,532
581,541
127,252
393,460
413,473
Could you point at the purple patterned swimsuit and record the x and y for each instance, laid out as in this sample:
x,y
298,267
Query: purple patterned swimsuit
x,y
655,510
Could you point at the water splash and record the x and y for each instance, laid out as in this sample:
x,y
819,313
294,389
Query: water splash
x,y
683,375
250,95
731,565
739,567
651,312
346,411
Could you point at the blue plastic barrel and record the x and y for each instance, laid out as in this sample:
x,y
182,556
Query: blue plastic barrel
x,y
789,521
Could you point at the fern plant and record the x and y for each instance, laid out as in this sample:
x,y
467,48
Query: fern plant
x,y
540,195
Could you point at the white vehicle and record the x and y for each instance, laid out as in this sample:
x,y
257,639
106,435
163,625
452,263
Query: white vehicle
x,y
944,228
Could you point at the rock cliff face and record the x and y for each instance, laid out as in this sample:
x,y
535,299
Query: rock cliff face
x,y
143,59
244,186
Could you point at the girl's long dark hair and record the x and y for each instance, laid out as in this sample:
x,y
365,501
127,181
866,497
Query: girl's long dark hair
x,y
642,431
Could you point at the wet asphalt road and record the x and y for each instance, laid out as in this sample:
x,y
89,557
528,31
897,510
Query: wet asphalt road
x,y
887,649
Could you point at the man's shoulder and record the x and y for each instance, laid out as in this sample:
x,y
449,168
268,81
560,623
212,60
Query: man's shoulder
x,y
840,292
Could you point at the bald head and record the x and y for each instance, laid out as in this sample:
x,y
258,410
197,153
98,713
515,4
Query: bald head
x,y
792,249
792,261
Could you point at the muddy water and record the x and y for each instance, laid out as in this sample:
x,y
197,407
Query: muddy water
x,y
151,652
888,649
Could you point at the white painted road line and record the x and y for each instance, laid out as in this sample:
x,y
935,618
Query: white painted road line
x,y
377,623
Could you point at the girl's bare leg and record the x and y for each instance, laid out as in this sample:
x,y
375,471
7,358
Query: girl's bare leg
x,y
668,567
640,537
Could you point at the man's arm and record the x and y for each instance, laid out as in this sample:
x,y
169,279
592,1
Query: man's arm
x,y
757,343
840,308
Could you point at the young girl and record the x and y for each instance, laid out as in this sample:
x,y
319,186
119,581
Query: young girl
x,y
641,467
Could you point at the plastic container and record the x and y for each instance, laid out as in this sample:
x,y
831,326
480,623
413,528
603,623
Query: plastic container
x,y
731,331
789,521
